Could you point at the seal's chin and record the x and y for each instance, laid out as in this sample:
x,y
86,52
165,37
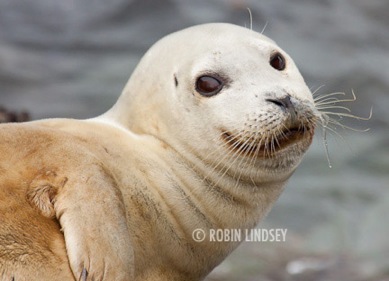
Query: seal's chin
x,y
271,145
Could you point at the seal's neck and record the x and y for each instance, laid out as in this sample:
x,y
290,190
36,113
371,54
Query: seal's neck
x,y
231,198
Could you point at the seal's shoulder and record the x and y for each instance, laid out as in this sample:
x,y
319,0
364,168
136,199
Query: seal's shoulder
x,y
40,143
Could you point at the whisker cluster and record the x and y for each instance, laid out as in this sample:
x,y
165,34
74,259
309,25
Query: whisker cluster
x,y
332,110
243,148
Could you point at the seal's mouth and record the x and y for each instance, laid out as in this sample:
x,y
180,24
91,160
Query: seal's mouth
x,y
268,146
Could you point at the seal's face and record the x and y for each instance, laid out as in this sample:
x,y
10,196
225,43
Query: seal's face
x,y
250,97
231,96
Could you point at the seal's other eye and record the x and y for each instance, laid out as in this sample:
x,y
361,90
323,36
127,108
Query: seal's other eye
x,y
208,86
277,61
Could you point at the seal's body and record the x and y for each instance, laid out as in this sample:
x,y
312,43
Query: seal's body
x,y
204,136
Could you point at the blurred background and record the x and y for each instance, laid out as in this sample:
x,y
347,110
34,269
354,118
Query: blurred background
x,y
72,58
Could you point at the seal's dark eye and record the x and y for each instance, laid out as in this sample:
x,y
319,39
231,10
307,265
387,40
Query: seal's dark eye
x,y
208,85
277,61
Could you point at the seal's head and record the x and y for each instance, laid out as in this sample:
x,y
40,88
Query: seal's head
x,y
225,95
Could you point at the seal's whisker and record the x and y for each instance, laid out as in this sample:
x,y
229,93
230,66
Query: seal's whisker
x,y
266,150
237,179
326,103
283,129
270,144
280,132
342,114
251,18
275,141
331,100
221,147
317,89
325,143
258,148
320,108
233,155
264,27
330,114
321,101
275,138
239,150
318,98
215,165
333,130
264,140
252,160
247,144
337,123
254,144
244,153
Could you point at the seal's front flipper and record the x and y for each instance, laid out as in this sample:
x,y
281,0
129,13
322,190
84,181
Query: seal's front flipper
x,y
92,215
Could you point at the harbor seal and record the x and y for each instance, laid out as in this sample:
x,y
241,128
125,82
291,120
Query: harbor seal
x,y
210,126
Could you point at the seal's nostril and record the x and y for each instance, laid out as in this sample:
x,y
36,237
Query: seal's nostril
x,y
276,102
284,102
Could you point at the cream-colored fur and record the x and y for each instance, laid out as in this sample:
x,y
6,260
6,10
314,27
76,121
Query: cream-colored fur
x,y
117,197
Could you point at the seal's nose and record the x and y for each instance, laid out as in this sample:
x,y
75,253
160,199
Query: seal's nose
x,y
285,103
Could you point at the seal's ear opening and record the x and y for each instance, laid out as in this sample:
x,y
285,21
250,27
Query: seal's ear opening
x,y
208,85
